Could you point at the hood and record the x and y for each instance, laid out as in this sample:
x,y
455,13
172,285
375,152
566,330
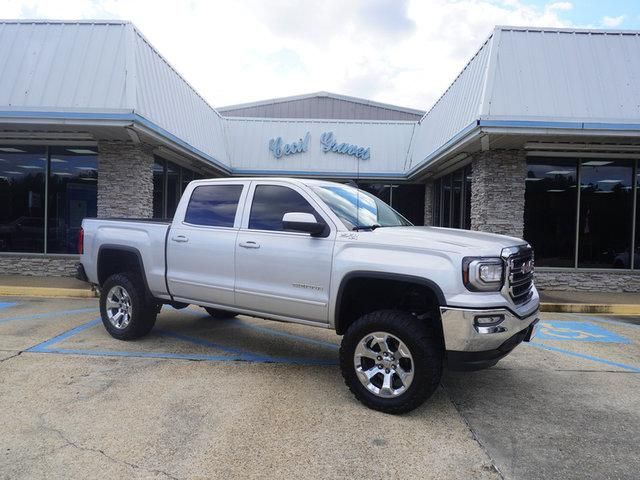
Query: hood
x,y
465,242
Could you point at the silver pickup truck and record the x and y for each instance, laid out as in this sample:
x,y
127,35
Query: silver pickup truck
x,y
407,300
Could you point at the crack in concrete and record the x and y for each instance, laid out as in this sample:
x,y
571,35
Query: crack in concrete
x,y
12,356
473,433
134,466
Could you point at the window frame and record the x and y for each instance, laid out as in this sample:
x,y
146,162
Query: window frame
x,y
317,207
183,205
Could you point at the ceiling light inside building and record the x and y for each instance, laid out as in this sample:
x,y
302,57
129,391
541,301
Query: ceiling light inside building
x,y
58,160
30,167
610,180
63,174
83,151
14,173
555,191
596,163
558,172
11,150
86,168
532,179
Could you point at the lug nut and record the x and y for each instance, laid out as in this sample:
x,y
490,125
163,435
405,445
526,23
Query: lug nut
x,y
386,371
379,357
380,366
385,354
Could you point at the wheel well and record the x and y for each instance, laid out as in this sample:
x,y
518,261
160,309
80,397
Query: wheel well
x,y
118,260
365,294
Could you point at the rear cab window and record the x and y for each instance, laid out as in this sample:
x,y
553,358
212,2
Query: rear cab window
x,y
213,205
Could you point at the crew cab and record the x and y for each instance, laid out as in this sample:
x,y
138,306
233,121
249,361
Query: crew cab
x,y
409,301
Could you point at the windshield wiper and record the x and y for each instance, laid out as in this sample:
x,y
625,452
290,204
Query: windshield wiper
x,y
366,227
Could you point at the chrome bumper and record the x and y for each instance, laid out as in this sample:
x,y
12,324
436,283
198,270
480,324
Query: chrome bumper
x,y
462,334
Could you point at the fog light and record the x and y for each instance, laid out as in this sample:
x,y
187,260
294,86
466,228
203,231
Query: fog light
x,y
488,320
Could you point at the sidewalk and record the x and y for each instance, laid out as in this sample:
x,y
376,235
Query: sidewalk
x,y
25,286
590,302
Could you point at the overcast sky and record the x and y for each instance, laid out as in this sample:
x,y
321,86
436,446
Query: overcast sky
x,y
404,52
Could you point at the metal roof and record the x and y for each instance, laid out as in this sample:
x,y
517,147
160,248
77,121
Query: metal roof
x,y
523,84
322,105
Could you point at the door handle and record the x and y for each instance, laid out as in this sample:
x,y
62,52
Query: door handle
x,y
249,244
180,238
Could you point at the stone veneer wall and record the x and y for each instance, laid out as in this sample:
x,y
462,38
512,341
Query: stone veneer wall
x,y
39,265
428,204
125,180
588,281
497,192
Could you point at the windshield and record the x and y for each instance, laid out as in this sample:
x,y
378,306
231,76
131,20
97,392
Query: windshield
x,y
358,209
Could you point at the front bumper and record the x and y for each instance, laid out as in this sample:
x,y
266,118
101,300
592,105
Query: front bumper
x,y
466,342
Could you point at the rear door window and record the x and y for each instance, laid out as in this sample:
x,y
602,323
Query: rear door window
x,y
213,205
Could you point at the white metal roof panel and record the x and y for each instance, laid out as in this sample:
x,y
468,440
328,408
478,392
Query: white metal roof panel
x,y
562,74
62,65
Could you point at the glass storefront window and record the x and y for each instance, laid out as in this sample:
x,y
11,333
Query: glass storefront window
x,y
550,210
22,200
169,181
158,188
606,205
452,199
72,195
407,199
174,189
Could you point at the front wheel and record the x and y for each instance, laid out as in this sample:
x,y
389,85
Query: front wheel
x,y
126,312
391,361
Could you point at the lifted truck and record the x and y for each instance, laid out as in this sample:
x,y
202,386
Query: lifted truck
x,y
408,300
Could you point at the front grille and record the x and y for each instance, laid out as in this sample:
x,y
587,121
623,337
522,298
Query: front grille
x,y
520,275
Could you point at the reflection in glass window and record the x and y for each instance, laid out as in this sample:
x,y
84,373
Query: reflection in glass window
x,y
636,256
22,202
606,205
271,202
173,188
213,205
456,190
551,196
158,188
467,197
357,208
437,196
73,184
446,201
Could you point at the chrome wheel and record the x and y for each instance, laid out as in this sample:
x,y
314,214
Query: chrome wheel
x,y
384,364
118,306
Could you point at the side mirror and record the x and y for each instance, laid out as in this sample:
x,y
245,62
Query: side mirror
x,y
302,222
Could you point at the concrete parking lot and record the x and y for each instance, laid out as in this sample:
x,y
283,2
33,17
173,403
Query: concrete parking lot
x,y
247,398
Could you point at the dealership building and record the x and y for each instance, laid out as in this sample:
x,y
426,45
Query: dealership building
x,y
538,137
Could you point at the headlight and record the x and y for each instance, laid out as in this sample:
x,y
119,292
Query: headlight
x,y
483,274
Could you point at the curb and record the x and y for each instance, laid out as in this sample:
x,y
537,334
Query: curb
x,y
611,309
46,292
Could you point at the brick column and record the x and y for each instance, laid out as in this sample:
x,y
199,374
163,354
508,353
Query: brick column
x,y
497,192
428,204
125,180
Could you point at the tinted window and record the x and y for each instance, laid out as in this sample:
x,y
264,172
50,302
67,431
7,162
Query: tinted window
x,y
22,180
551,197
606,206
213,205
73,194
271,202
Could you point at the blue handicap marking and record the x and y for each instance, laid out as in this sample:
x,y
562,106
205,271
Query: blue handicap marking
x,y
577,331
7,304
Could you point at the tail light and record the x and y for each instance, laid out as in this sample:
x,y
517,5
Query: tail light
x,y
81,241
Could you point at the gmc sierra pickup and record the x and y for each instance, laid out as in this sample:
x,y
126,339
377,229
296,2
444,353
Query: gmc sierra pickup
x,y
408,300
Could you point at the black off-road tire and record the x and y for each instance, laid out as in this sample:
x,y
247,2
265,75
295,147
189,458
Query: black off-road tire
x,y
220,314
143,311
422,339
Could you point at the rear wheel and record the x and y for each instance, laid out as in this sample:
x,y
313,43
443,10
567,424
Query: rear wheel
x,y
391,361
220,314
125,310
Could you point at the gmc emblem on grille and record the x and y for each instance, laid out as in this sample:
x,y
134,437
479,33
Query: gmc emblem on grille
x,y
527,267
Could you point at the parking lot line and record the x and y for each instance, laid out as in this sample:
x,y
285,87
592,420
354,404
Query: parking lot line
x,y
583,356
48,346
36,316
